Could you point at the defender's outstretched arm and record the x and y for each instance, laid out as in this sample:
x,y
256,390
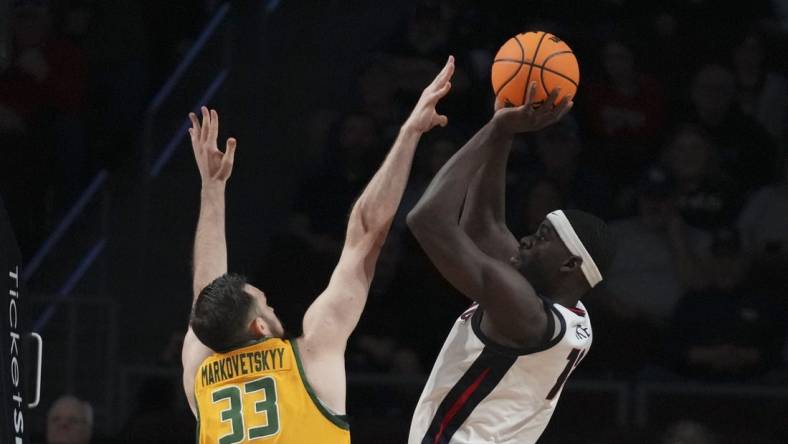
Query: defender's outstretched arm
x,y
210,246
330,320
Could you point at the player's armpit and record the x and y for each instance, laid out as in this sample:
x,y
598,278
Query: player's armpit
x,y
193,354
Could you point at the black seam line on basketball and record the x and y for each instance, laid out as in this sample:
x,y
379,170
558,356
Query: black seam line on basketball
x,y
569,79
517,71
530,70
544,63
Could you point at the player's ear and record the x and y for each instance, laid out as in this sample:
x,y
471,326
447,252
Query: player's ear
x,y
571,264
258,328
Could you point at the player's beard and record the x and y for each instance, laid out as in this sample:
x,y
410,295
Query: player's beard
x,y
530,267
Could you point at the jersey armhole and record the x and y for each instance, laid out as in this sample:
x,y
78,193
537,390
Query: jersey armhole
x,y
338,420
552,335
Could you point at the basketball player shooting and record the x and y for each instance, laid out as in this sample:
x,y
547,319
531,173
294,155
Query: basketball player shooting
x,y
244,381
502,368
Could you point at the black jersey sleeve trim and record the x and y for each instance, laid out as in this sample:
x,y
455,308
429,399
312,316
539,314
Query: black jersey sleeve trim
x,y
547,341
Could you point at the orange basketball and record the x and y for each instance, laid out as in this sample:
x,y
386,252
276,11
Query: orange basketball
x,y
537,57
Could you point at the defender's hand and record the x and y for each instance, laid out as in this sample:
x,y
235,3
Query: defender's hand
x,y
424,116
525,118
215,167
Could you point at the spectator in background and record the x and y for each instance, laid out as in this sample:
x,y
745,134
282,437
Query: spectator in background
x,y
764,227
161,414
659,254
705,197
415,280
354,148
730,330
420,50
625,112
537,198
764,221
688,432
780,20
746,151
663,31
377,89
311,240
69,421
762,93
384,353
47,73
117,40
318,126
558,149
41,134
658,260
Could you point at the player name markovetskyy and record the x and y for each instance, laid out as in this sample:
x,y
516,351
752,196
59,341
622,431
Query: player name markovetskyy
x,y
242,364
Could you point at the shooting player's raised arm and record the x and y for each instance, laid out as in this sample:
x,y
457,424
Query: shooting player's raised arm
x,y
498,287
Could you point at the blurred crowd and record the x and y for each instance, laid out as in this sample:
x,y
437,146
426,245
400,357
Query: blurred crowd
x,y
72,93
676,139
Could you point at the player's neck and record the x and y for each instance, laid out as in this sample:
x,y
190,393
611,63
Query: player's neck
x,y
566,293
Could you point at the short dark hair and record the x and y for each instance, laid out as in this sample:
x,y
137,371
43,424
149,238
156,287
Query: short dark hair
x,y
219,315
595,236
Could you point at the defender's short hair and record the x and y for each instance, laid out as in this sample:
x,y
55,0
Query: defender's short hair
x,y
595,236
219,315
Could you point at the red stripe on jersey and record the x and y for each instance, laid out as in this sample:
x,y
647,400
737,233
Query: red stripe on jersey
x,y
459,403
577,311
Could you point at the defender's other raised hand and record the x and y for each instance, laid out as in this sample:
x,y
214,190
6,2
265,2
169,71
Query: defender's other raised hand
x,y
215,166
424,116
526,118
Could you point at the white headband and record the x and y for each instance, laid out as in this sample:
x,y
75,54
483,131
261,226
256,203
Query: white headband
x,y
567,234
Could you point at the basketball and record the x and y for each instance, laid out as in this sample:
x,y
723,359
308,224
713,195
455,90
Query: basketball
x,y
538,57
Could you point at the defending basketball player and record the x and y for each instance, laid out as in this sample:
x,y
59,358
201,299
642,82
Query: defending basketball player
x,y
242,379
502,368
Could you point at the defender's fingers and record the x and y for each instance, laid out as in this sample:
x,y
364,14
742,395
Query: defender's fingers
x,y
195,123
229,157
213,132
443,120
206,123
446,72
229,149
439,94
